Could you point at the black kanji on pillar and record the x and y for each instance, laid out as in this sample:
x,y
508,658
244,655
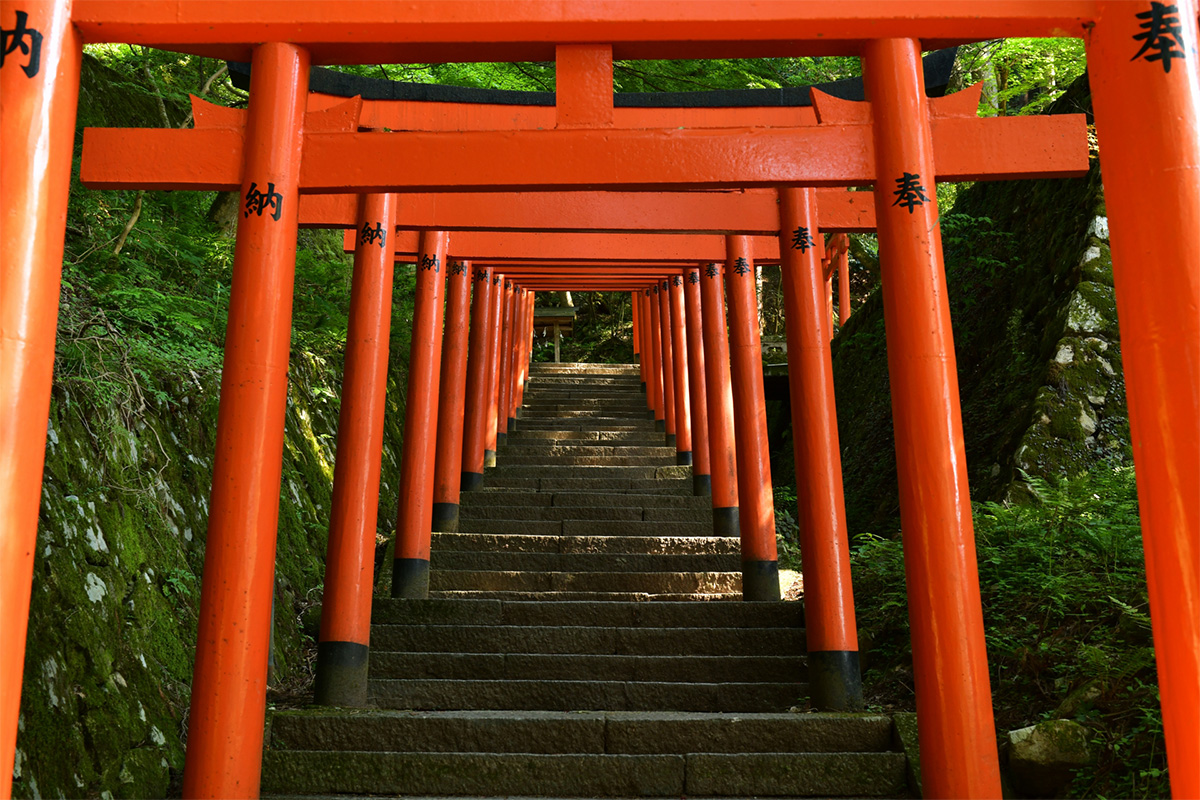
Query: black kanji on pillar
x,y
376,234
28,40
1162,36
910,193
258,201
802,240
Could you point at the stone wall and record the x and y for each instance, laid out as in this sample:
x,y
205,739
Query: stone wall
x,y
116,584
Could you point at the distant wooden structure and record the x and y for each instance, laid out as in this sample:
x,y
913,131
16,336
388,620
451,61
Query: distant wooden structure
x,y
562,320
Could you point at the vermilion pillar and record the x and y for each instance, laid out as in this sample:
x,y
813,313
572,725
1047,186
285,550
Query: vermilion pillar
x,y
341,678
667,358
636,310
756,501
447,469
225,727
658,385
504,394
719,396
843,272
410,570
958,740
526,349
679,356
835,683
648,359
477,392
37,128
697,385
520,321
493,409
1146,95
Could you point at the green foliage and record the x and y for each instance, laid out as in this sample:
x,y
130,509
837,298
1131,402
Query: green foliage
x,y
602,333
1065,617
787,530
1020,76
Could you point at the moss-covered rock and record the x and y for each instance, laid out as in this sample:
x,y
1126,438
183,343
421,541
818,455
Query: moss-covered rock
x,y
118,572
1029,275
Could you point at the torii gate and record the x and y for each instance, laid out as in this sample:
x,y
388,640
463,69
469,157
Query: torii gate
x,y
1147,119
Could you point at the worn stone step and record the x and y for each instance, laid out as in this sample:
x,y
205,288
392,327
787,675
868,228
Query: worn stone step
x,y
643,473
553,414
510,666
676,486
489,774
490,496
596,406
587,695
502,510
579,613
630,423
534,393
648,582
586,527
566,367
587,639
565,436
583,562
598,732
630,382
508,460
591,597
517,542
586,448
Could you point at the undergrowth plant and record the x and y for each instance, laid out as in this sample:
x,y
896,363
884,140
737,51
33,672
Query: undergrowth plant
x,y
1065,616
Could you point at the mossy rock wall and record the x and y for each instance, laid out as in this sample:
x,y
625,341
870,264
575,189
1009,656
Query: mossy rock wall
x,y
116,584
1035,331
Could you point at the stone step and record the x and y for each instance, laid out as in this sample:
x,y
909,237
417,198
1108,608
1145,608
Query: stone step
x,y
595,405
591,597
631,382
516,542
587,639
579,613
570,460
585,775
645,511
488,496
603,413
676,486
592,425
614,733
553,667
648,445
548,368
566,436
586,527
647,582
643,473
549,563
575,393
586,695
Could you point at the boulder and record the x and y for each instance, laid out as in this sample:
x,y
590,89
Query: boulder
x,y
1042,758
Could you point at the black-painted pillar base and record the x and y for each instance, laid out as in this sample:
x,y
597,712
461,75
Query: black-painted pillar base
x,y
410,578
650,414
725,522
643,387
341,674
683,458
489,458
512,424
760,580
670,440
834,680
660,425
445,517
702,485
471,481
500,437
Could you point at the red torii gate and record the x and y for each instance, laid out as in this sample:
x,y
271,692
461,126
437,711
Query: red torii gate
x,y
1146,115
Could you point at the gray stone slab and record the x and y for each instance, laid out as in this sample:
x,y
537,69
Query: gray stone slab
x,y
596,499
483,774
512,561
765,774
746,733
610,528
543,512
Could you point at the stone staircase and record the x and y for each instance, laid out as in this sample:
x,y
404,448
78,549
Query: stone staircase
x,y
538,668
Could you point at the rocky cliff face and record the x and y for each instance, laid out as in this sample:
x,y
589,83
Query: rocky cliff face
x,y
116,585
1039,358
